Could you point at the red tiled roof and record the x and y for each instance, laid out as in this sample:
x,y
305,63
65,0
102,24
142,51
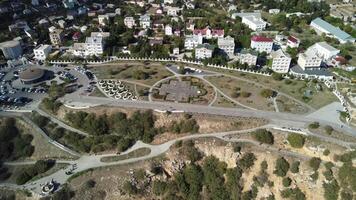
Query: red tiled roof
x,y
76,35
257,38
293,39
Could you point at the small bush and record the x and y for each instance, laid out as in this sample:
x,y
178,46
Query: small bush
x,y
296,140
286,181
314,125
264,136
314,163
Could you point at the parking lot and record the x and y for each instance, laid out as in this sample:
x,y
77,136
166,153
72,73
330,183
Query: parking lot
x,y
14,94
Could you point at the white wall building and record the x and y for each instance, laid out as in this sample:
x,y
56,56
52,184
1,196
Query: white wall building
x,y
168,30
324,50
145,21
321,26
248,56
168,1
192,41
129,22
293,42
309,60
227,44
261,44
41,52
253,20
204,51
280,61
173,11
94,46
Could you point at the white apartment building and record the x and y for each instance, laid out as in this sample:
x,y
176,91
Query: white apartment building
x,y
261,44
204,51
280,61
168,30
309,60
168,1
324,50
129,22
173,11
94,46
145,21
227,44
192,41
41,52
253,20
248,56
56,36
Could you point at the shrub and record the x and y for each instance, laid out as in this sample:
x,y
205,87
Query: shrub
x,y
247,161
286,181
130,188
287,81
264,136
314,176
326,152
328,129
267,93
331,190
314,125
89,184
314,163
296,140
277,76
159,187
282,167
295,167
245,94
237,148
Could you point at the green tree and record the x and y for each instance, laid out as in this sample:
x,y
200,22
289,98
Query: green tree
x,y
295,167
264,136
282,167
286,181
314,163
296,140
267,93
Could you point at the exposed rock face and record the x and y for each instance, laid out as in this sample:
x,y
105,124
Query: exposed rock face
x,y
223,153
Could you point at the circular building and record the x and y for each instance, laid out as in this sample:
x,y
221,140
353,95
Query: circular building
x,y
31,75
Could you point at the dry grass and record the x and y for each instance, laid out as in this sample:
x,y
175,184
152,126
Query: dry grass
x,y
229,86
124,71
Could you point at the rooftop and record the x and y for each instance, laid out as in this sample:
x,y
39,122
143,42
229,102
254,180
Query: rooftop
x,y
316,72
257,38
31,74
206,46
325,46
279,54
336,31
9,44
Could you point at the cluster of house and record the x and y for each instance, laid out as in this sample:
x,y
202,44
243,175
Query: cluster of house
x,y
280,61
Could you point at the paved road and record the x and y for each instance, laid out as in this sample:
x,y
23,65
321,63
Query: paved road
x,y
281,119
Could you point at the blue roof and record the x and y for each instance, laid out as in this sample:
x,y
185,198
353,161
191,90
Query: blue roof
x,y
337,32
